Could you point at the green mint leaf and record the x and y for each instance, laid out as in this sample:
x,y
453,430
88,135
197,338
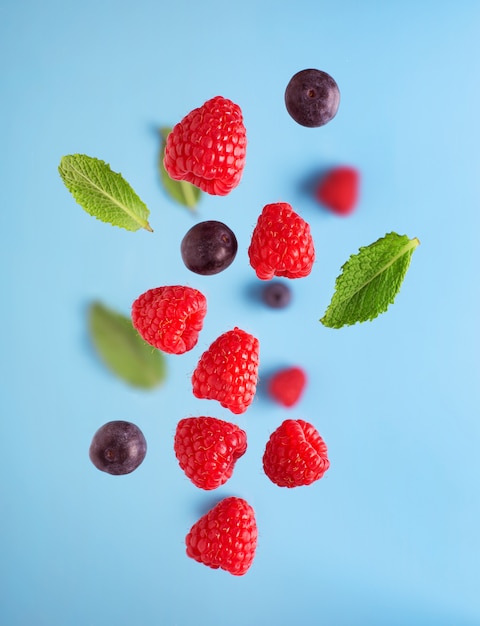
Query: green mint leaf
x,y
122,349
182,192
103,193
369,281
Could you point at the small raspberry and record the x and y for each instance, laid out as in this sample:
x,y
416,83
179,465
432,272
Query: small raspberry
x,y
207,148
170,318
339,190
286,386
207,449
295,455
225,537
228,371
281,244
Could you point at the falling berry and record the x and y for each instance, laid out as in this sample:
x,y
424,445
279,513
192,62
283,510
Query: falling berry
x,y
209,248
277,295
338,190
118,448
312,98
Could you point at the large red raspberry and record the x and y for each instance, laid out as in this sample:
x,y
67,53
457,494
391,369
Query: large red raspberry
x,y
295,455
207,148
207,449
228,371
281,244
170,317
225,537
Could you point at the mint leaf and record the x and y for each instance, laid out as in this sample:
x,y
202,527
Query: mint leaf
x,y
369,281
103,193
122,349
182,192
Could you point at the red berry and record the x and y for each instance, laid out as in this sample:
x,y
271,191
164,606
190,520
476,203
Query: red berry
x,y
287,385
339,189
207,148
207,449
228,371
295,455
281,244
225,537
170,317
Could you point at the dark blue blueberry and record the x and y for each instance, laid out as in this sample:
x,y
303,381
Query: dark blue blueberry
x,y
208,247
277,295
312,98
118,448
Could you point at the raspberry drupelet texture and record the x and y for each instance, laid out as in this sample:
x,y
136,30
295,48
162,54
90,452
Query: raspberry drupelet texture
x,y
286,385
228,371
208,147
295,455
170,317
207,449
281,244
225,537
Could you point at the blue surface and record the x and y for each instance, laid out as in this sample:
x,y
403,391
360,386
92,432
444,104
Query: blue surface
x,y
391,534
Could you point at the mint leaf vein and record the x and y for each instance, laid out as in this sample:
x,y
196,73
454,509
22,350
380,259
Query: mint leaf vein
x,y
103,193
370,281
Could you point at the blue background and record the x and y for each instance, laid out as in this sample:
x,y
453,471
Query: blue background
x,y
391,534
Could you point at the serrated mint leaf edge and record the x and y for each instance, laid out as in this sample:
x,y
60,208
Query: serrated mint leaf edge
x,y
411,245
408,249
70,160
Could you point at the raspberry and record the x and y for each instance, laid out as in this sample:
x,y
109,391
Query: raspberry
x,y
207,449
225,537
281,244
287,385
228,371
295,455
170,318
339,189
207,148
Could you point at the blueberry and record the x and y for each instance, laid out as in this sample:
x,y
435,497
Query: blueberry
x,y
312,98
276,295
118,447
209,248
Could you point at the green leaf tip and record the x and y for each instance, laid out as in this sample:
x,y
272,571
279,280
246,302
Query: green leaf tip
x,y
370,281
180,191
103,193
122,350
